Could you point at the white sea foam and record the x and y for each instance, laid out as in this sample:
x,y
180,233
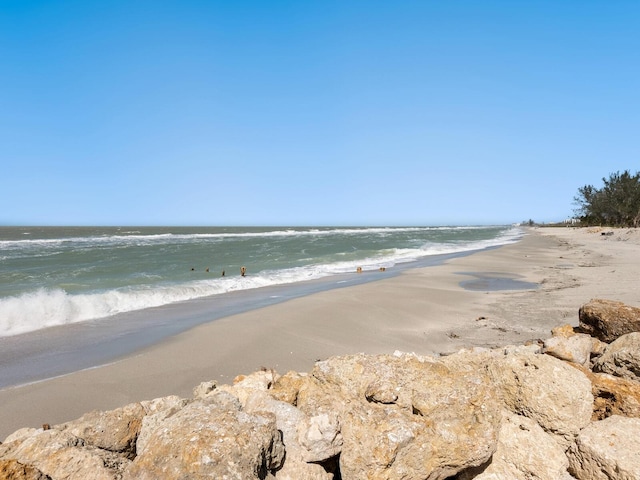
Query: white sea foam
x,y
49,307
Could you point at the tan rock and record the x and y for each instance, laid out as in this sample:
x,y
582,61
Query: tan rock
x,y
614,396
525,452
565,331
61,455
204,389
115,430
441,422
575,348
210,438
290,421
607,449
621,358
545,389
286,387
607,320
14,470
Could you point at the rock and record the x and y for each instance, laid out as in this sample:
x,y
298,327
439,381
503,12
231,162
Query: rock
x,y
290,421
61,455
210,438
115,430
607,449
14,470
320,437
621,358
162,404
286,387
204,389
525,452
442,422
22,434
575,348
614,396
545,389
607,320
246,385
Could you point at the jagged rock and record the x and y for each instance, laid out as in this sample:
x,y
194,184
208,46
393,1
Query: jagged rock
x,y
286,387
157,411
246,385
210,438
204,389
115,430
608,449
320,437
525,452
14,470
569,346
614,396
621,358
162,404
545,389
61,455
442,422
289,420
607,320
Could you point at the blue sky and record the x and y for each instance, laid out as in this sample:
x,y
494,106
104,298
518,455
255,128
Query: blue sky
x,y
312,113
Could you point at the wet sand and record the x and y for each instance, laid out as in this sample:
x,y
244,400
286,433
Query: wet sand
x,y
483,299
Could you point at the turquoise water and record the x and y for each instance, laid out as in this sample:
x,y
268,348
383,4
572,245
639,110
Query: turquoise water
x,y
63,275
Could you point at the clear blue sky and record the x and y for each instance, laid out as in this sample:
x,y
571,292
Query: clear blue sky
x,y
312,112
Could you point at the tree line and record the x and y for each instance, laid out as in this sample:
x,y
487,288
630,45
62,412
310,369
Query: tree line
x,y
615,204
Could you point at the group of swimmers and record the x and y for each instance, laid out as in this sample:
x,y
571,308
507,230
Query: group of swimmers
x,y
243,271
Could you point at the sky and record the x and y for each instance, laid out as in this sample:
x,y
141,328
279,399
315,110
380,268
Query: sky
x,y
372,112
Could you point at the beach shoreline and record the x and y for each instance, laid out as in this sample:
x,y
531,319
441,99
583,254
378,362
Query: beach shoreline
x,y
424,310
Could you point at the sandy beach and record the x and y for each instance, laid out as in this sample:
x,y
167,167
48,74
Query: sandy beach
x,y
494,297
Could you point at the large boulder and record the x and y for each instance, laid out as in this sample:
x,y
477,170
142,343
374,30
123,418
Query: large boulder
x,y
549,391
114,430
621,358
404,416
525,452
290,421
210,438
606,450
62,455
607,320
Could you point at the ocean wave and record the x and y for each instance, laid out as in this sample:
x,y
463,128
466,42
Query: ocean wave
x,y
138,238
50,307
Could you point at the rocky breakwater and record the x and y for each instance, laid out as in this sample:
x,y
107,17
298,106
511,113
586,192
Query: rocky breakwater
x,y
563,408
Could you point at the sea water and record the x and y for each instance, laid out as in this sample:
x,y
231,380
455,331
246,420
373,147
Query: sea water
x,y
61,275
76,298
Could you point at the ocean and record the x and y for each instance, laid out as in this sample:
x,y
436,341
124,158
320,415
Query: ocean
x,y
78,297
60,275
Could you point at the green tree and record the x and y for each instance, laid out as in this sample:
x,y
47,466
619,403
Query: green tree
x,y
617,203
